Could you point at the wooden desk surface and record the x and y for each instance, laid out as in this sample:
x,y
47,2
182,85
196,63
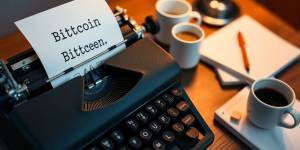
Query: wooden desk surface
x,y
200,83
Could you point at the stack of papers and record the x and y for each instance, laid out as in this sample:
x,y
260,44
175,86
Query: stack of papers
x,y
268,53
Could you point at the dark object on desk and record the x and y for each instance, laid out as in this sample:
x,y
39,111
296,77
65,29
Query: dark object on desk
x,y
140,83
156,105
218,12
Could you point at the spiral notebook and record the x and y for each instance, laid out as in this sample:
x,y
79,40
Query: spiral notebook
x,y
267,52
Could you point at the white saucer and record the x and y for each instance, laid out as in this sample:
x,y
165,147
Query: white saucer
x,y
256,138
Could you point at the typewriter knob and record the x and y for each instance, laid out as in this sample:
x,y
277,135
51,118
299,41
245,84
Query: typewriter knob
x,y
151,25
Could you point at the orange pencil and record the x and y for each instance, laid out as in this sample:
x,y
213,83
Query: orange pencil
x,y
242,45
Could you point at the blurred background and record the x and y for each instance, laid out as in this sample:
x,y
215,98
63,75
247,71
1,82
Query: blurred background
x,y
13,10
288,10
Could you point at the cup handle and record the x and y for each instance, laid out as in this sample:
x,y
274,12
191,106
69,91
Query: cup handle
x,y
196,15
296,117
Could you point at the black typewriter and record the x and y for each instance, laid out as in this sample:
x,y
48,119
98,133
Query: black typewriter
x,y
133,101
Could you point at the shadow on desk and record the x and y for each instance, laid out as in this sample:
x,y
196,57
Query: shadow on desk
x,y
189,75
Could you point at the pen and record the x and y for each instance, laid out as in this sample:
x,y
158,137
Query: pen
x,y
242,45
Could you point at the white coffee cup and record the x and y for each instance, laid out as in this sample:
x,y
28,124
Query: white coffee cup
x,y
171,12
186,52
266,115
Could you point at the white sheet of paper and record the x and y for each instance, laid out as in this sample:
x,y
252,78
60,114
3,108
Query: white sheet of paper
x,y
91,25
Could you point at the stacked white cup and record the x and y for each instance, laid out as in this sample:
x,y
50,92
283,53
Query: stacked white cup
x,y
170,13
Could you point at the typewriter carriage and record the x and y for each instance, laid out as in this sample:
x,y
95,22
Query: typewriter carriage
x,y
23,77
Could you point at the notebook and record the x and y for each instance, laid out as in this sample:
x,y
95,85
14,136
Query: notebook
x,y
267,52
227,79
256,138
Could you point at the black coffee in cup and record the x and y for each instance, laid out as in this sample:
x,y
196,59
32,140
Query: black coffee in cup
x,y
271,97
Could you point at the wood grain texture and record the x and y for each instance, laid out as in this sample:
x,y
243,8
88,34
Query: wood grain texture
x,y
287,9
200,82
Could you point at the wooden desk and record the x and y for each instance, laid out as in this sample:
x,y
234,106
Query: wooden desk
x,y
200,83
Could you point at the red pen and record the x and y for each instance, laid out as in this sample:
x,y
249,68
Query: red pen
x,y
242,45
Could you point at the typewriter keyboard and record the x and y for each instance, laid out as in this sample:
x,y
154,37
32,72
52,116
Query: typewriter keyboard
x,y
165,122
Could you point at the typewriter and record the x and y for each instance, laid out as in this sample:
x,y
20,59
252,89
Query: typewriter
x,y
133,101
